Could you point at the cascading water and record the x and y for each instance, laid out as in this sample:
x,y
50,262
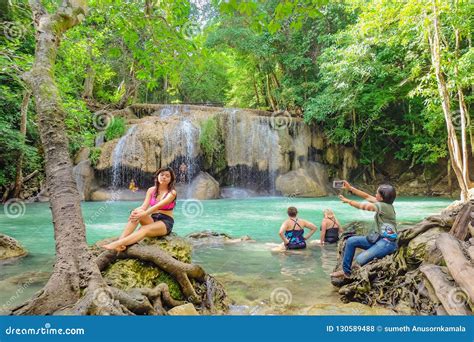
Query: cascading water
x,y
123,150
168,111
252,144
181,141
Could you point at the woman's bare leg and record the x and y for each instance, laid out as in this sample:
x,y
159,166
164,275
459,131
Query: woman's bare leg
x,y
132,225
154,229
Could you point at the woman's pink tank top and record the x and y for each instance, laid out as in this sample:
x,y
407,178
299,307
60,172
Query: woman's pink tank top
x,y
153,201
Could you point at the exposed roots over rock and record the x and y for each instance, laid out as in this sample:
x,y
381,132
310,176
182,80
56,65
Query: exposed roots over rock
x,y
417,284
98,297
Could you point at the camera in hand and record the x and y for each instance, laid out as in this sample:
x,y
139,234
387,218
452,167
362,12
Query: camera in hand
x,y
338,184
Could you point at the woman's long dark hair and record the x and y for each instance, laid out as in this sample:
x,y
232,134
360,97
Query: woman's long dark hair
x,y
172,182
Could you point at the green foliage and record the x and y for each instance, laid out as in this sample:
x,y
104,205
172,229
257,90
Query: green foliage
x,y
212,145
360,70
115,129
11,145
95,155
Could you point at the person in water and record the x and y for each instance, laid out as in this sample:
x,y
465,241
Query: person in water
x,y
330,228
155,215
377,245
292,230
132,186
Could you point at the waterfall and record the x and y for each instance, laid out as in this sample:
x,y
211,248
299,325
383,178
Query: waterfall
x,y
252,144
168,111
122,151
181,142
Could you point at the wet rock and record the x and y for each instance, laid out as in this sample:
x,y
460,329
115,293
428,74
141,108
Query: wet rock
x,y
308,182
24,280
207,237
84,174
10,248
117,195
204,187
183,310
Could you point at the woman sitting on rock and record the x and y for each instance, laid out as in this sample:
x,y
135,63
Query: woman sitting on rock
x,y
384,239
330,228
155,214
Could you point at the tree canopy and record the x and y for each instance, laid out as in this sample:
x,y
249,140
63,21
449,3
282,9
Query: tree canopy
x,y
361,70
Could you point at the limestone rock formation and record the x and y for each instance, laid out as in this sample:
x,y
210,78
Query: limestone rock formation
x,y
10,248
84,175
305,182
256,147
204,187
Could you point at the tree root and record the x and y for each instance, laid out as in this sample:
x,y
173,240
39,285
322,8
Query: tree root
x,y
100,299
181,271
394,283
444,290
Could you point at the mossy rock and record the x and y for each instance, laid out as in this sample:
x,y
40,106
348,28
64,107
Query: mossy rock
x,y
177,246
131,273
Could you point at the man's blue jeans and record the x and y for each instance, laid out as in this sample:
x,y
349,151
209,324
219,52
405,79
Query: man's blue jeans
x,y
377,250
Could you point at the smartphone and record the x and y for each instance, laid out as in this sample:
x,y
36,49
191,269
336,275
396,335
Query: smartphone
x,y
338,184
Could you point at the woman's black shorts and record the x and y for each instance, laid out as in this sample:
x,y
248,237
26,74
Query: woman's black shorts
x,y
167,220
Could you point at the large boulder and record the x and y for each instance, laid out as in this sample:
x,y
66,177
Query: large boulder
x,y
117,195
10,248
84,174
204,187
308,182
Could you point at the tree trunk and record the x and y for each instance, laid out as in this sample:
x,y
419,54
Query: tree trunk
x,y
76,285
269,94
453,144
464,114
24,112
131,89
255,88
74,268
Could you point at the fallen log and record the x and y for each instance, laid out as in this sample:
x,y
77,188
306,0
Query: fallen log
x,y
451,297
458,265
